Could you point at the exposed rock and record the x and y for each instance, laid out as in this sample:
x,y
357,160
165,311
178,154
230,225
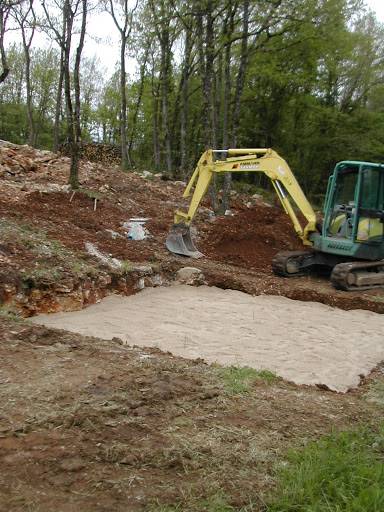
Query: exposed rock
x,y
140,285
143,269
157,280
190,275
113,263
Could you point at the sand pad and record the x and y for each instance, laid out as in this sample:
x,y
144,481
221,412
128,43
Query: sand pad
x,y
305,342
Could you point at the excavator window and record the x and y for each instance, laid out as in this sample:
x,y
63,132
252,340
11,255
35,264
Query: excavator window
x,y
371,206
341,222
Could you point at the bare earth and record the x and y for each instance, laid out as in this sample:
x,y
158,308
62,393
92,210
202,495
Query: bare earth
x,y
304,342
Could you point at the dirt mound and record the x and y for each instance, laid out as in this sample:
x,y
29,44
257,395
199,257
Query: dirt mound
x,y
75,222
251,237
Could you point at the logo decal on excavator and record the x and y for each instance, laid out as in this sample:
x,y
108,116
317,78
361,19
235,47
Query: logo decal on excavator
x,y
250,167
338,245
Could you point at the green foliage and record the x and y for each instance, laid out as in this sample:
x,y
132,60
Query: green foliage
x,y
13,110
13,122
376,393
10,313
343,472
312,88
239,379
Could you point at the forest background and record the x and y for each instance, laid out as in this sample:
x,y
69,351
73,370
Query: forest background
x,y
305,77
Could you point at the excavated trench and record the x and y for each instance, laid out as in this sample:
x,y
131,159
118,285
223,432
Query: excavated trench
x,y
304,342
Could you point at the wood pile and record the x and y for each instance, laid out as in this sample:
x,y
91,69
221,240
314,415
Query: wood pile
x,y
105,154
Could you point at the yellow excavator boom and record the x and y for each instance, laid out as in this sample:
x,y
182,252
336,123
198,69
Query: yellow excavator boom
x,y
262,160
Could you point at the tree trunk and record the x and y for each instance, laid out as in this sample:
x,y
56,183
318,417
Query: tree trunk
x,y
156,142
125,161
228,33
4,62
164,79
124,27
31,124
74,174
227,100
138,101
241,73
71,137
184,110
206,55
237,99
58,104
26,20
207,70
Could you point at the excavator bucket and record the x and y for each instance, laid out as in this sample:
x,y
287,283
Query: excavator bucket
x,y
179,241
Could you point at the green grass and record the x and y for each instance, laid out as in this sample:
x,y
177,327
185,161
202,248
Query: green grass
x,y
238,380
92,194
376,393
126,266
8,312
343,472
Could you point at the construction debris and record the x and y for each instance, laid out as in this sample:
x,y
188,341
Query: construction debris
x,y
136,229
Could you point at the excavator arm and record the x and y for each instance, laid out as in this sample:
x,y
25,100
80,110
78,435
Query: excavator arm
x,y
266,161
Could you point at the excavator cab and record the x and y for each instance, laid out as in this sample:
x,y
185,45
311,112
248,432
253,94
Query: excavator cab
x,y
354,212
358,203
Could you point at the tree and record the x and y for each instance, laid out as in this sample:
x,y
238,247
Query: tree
x,y
123,20
162,19
6,7
69,11
25,17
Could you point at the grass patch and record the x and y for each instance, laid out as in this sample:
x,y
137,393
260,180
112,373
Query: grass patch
x,y
239,379
92,194
376,393
126,266
10,313
343,472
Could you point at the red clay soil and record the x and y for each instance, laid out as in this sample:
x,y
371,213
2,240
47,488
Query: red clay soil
x,y
250,238
74,223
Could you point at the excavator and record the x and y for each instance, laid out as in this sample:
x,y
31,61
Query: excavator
x,y
348,240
